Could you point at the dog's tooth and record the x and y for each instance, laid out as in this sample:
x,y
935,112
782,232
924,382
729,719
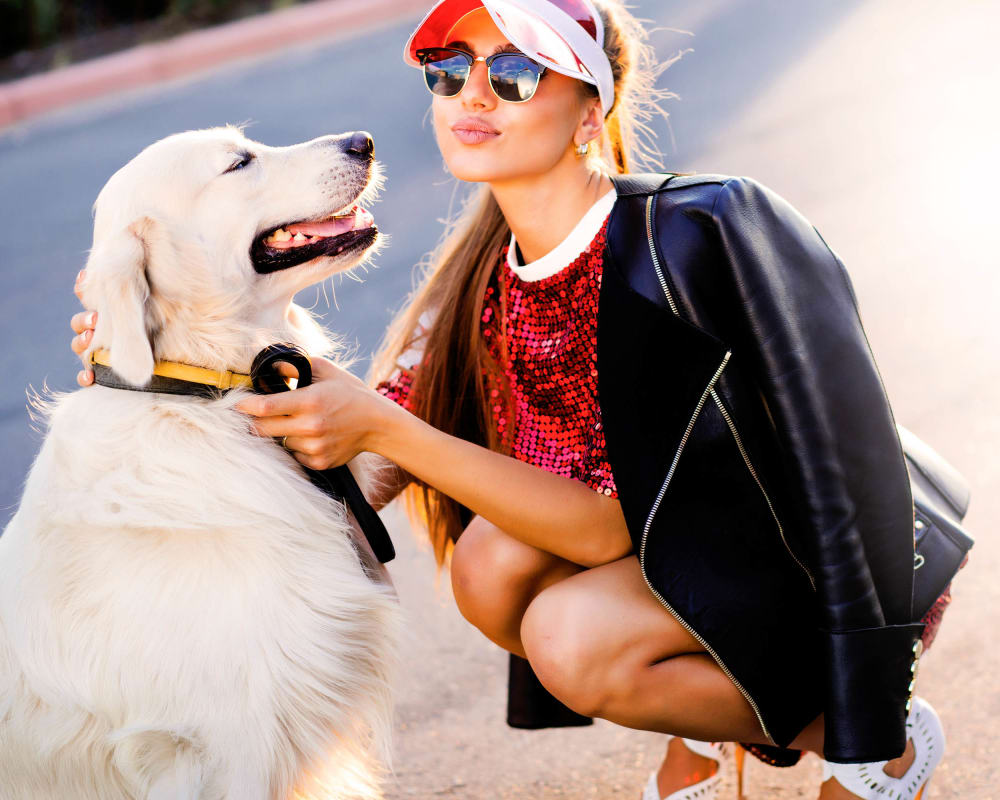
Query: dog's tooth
x,y
298,238
281,235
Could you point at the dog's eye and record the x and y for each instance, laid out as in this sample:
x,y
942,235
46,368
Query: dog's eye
x,y
244,159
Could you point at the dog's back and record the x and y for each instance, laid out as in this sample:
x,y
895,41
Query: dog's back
x,y
182,615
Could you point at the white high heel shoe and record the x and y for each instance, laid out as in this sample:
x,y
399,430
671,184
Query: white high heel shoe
x,y
703,790
870,782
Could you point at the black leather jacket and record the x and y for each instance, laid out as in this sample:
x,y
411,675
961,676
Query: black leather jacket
x,y
756,456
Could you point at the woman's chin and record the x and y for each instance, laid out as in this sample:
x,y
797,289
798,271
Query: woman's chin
x,y
481,170
486,164
473,168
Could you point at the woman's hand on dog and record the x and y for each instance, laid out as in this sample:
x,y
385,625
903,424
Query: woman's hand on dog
x,y
325,424
83,323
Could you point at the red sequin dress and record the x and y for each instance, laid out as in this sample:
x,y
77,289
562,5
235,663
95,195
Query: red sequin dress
x,y
543,335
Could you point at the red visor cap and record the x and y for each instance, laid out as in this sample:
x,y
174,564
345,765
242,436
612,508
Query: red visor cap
x,y
564,35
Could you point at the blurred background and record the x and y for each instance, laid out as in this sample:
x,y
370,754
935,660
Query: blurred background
x,y
38,35
878,120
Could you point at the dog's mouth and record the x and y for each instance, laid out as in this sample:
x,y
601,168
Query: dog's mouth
x,y
295,243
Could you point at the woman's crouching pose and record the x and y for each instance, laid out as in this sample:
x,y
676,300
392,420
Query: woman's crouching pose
x,y
642,422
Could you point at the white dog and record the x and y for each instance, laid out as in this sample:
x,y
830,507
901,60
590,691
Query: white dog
x,y
182,614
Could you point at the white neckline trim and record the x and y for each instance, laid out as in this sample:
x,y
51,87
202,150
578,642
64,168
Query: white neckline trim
x,y
569,249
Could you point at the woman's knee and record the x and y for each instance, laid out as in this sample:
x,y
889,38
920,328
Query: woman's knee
x,y
564,651
493,575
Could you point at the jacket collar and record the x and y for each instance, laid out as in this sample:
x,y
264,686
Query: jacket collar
x,y
640,183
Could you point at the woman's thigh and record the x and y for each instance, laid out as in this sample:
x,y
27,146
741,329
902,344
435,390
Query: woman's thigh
x,y
494,577
599,629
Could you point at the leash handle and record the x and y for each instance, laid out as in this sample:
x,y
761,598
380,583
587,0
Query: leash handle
x,y
264,373
338,482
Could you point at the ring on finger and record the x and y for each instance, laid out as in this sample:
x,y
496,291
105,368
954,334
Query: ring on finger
x,y
284,442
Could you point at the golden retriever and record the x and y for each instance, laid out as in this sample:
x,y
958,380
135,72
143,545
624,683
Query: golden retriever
x,y
182,614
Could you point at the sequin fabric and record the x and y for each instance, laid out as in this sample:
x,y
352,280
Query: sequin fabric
x,y
543,336
932,619
397,388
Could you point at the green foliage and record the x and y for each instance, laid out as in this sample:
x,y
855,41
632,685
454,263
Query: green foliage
x,y
207,10
28,23
45,19
32,25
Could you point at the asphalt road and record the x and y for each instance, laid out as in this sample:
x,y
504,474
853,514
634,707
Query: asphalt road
x,y
877,120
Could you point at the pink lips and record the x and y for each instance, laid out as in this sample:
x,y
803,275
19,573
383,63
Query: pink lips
x,y
472,130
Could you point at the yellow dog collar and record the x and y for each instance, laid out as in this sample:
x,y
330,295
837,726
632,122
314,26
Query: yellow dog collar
x,y
185,372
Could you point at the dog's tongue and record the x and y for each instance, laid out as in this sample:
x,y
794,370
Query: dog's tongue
x,y
330,227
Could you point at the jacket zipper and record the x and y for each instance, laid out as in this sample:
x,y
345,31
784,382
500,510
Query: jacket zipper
x,y
645,533
656,258
718,401
670,473
753,472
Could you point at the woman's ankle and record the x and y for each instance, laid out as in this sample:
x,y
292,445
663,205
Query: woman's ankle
x,y
898,766
682,767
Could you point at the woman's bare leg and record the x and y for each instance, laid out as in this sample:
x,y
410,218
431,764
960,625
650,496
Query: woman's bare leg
x,y
496,578
602,643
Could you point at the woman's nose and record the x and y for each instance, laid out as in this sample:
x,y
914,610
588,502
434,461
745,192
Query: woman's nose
x,y
477,92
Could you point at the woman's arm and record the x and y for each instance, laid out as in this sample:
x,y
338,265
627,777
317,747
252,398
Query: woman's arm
x,y
560,515
337,417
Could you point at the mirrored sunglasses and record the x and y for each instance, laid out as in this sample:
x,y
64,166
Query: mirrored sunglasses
x,y
513,76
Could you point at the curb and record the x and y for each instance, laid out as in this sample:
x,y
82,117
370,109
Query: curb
x,y
193,52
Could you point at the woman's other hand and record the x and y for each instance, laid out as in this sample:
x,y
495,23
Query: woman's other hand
x,y
325,424
83,323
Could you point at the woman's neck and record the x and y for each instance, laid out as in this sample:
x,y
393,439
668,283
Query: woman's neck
x,y
542,210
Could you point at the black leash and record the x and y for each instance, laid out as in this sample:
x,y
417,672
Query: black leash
x,y
338,482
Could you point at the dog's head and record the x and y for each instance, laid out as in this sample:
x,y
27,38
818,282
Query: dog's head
x,y
202,240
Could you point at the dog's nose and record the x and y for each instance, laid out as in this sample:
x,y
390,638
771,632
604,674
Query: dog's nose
x,y
361,145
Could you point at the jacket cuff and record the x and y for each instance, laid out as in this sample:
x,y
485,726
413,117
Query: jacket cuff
x,y
868,685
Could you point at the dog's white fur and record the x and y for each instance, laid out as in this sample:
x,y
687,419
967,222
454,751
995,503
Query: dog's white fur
x,y
182,615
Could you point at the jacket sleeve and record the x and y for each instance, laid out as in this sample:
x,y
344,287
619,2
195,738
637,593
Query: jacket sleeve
x,y
798,328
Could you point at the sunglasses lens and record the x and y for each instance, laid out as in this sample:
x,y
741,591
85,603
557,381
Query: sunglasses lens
x,y
514,77
445,72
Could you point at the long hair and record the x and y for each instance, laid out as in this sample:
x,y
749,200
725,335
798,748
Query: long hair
x,y
449,389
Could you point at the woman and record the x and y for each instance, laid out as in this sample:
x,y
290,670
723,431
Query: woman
x,y
574,338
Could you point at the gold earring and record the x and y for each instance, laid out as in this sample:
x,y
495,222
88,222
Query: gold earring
x,y
583,149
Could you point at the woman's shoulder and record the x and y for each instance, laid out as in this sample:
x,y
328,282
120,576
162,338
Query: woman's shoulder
x,y
706,205
709,192
711,231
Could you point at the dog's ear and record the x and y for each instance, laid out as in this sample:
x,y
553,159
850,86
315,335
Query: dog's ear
x,y
117,287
